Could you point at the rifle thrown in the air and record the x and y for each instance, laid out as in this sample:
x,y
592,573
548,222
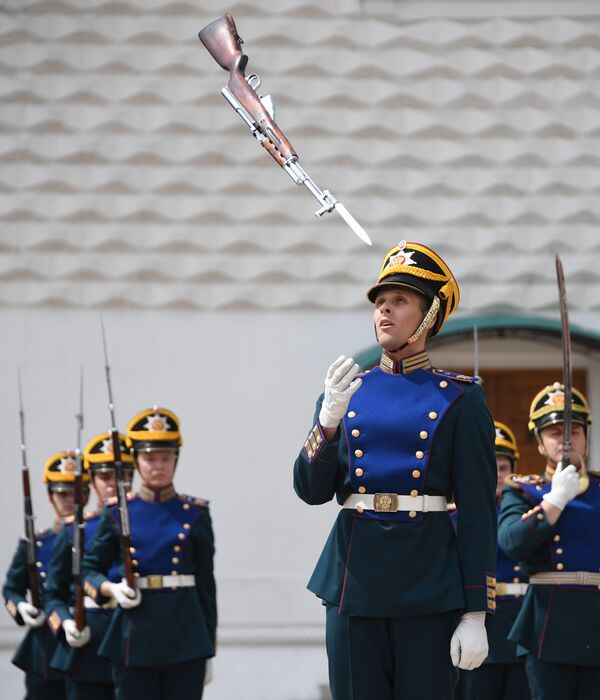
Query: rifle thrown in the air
x,y
225,46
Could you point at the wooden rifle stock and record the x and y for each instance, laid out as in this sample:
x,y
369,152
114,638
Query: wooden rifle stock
x,y
78,544
224,44
32,575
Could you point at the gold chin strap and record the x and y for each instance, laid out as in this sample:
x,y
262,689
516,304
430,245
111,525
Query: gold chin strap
x,y
433,309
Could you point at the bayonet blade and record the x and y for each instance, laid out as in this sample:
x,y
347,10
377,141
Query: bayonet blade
x,y
353,223
567,361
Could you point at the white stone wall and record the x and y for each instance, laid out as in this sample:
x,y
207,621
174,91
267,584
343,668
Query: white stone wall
x,y
129,188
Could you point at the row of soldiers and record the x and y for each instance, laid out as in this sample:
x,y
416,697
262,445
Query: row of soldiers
x,y
413,605
150,640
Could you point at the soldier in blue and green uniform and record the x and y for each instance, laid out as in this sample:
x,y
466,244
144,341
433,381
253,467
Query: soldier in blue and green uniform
x,y
90,675
163,632
551,524
502,675
37,648
405,596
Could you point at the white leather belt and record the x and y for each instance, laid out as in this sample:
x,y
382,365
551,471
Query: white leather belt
x,y
510,588
394,502
572,578
158,581
89,603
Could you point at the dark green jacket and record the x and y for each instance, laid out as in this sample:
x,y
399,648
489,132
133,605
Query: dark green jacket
x,y
556,623
169,626
82,664
428,431
38,646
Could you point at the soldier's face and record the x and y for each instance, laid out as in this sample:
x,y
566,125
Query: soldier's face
x,y
105,485
63,502
157,468
551,446
398,313
503,465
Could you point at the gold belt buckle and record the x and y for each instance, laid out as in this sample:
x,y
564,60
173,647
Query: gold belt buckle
x,y
385,502
155,581
501,589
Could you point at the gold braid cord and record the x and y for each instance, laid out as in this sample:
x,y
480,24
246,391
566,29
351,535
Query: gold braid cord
x,y
435,305
411,270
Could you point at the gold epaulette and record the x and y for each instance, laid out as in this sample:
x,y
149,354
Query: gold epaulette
x,y
192,500
453,375
514,480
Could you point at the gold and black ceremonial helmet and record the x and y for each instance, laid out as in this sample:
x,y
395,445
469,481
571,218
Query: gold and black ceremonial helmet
x,y
59,472
506,443
548,408
417,266
99,457
154,429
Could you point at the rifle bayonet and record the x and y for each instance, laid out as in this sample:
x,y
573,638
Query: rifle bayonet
x,y
79,522
567,362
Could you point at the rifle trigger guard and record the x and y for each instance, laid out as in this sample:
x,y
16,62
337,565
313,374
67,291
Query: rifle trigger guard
x,y
254,81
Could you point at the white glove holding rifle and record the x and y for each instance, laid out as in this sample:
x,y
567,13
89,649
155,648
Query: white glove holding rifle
x,y
565,486
469,643
32,616
340,385
125,596
75,638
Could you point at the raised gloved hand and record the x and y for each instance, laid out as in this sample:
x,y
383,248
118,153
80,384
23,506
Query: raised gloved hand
x,y
75,638
469,643
208,673
340,384
125,596
32,616
565,486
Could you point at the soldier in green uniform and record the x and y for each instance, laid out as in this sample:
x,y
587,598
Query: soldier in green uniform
x,y
502,675
90,676
550,523
163,632
406,597
38,646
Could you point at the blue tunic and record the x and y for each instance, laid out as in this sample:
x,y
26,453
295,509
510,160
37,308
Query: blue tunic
x,y
423,432
557,623
170,626
38,646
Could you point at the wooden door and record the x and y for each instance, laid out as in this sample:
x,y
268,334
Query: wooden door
x,y
509,393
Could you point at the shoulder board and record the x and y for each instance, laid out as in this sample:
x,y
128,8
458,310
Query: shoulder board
x,y
457,377
41,534
526,479
200,502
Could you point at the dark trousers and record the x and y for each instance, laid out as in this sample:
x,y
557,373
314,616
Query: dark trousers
x,y
494,682
393,658
90,691
38,689
171,682
552,681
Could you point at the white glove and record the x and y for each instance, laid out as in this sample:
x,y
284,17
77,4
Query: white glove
x,y
208,673
469,643
75,638
565,486
32,616
125,596
339,387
